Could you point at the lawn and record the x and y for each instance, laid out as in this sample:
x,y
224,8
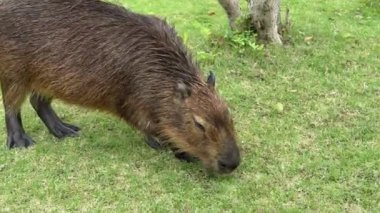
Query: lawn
x,y
307,117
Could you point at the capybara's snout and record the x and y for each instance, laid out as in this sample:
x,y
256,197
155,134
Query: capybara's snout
x,y
229,160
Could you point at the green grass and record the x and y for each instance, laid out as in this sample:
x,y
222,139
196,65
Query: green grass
x,y
320,153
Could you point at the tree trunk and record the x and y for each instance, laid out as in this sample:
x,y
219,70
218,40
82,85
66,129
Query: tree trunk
x,y
265,19
233,11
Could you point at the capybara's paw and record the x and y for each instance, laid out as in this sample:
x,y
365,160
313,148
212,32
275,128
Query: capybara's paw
x,y
19,140
62,130
73,127
153,142
184,156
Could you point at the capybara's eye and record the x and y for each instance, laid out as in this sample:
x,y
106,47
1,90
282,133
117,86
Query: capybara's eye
x,y
200,126
199,123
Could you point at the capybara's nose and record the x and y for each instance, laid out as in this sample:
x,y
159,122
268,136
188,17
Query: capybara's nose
x,y
229,161
228,166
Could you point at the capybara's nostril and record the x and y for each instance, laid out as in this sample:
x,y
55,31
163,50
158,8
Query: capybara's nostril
x,y
222,165
228,165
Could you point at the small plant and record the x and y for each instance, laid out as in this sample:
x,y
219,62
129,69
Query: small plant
x,y
208,57
243,41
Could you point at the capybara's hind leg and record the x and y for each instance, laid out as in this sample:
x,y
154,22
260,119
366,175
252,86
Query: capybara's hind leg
x,y
42,105
12,100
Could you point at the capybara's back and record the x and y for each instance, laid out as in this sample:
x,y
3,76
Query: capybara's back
x,y
98,55
82,51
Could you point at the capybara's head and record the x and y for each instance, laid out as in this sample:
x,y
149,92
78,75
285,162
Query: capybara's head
x,y
203,127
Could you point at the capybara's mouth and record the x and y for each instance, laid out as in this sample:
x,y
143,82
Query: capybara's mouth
x,y
225,166
211,168
214,171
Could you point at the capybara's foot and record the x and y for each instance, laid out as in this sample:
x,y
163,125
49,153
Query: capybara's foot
x,y
73,127
153,142
62,130
42,105
19,140
184,156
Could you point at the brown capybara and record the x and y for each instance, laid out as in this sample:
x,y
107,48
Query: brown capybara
x,y
98,55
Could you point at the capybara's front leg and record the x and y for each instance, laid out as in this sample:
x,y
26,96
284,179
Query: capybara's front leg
x,y
184,156
156,143
42,105
153,142
13,96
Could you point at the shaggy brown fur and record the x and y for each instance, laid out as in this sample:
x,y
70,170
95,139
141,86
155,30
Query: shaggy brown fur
x,y
101,56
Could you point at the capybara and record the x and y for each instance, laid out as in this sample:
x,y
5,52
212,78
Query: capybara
x,y
102,56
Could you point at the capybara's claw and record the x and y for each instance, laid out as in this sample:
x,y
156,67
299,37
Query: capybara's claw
x,y
19,140
73,127
184,156
61,130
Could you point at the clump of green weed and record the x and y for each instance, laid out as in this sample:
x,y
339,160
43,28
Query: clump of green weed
x,y
372,4
243,41
371,7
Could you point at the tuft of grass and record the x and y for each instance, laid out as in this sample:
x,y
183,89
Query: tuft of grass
x,y
307,117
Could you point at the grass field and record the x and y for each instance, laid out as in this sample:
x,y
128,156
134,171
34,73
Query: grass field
x,y
307,117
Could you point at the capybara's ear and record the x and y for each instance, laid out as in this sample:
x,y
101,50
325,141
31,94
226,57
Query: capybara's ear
x,y
211,80
183,91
